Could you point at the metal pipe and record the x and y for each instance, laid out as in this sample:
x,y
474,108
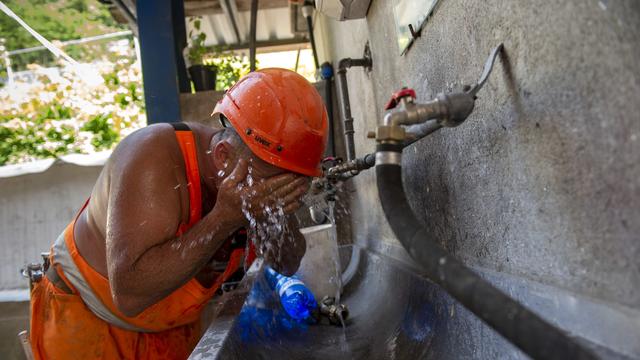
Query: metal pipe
x,y
295,68
307,11
73,42
326,73
231,16
523,328
352,167
128,14
252,35
418,131
345,105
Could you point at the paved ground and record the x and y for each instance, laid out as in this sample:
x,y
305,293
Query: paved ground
x,y
14,317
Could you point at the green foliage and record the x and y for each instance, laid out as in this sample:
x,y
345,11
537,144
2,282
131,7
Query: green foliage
x,y
55,20
230,68
105,136
64,115
61,115
197,50
41,140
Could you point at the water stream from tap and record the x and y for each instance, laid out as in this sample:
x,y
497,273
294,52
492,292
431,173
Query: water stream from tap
x,y
344,344
337,275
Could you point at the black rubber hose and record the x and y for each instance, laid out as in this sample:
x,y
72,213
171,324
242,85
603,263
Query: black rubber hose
x,y
523,328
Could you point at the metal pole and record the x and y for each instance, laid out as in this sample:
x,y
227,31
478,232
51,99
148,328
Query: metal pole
x,y
74,42
307,12
136,46
7,61
180,43
297,60
252,35
159,63
227,8
129,16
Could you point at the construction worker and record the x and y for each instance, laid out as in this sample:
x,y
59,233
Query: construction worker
x,y
130,275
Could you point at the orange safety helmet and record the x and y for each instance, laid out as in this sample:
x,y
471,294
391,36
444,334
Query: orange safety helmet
x,y
280,116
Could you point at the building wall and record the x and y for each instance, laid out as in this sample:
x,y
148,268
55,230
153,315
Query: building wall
x,y
541,184
34,209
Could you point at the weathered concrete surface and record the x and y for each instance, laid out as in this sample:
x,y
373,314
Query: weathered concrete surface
x,y
542,181
199,106
34,209
14,317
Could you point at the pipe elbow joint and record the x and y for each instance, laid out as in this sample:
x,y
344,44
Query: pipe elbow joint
x,y
458,108
344,64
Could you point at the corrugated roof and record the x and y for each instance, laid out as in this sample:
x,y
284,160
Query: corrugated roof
x,y
227,22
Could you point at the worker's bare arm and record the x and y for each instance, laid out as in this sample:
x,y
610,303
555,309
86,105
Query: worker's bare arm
x,y
145,207
145,260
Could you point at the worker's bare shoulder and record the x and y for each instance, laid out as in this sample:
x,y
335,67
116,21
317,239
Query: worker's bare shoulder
x,y
143,170
151,149
145,166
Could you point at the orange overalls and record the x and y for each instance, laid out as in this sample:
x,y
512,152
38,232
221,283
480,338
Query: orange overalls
x,y
62,327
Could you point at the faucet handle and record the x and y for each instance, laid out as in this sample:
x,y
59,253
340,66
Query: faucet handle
x,y
399,95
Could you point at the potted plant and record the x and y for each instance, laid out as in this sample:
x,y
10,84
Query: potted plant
x,y
230,67
202,75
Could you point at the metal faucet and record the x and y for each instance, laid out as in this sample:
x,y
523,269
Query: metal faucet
x,y
446,110
334,312
351,168
408,121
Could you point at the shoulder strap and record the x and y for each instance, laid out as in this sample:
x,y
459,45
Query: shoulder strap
x,y
187,143
180,126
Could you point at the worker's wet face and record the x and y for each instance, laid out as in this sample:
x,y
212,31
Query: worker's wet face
x,y
230,149
261,169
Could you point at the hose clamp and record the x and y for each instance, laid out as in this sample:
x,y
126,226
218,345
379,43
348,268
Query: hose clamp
x,y
388,158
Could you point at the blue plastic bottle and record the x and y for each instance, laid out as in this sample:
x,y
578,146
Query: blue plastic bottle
x,y
296,299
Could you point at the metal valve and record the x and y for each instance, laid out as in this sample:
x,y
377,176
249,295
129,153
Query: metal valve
x,y
405,93
445,110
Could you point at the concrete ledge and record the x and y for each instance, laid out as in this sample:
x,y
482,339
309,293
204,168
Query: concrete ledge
x,y
199,106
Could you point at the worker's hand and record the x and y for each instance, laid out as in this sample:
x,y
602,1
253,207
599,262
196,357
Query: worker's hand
x,y
242,202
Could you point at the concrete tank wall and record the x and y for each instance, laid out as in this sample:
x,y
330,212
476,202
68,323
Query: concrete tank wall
x,y
34,209
542,183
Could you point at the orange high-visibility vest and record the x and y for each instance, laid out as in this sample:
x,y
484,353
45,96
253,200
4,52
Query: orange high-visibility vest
x,y
63,327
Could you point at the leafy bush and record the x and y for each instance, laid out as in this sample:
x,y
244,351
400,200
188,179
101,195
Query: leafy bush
x,y
63,114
